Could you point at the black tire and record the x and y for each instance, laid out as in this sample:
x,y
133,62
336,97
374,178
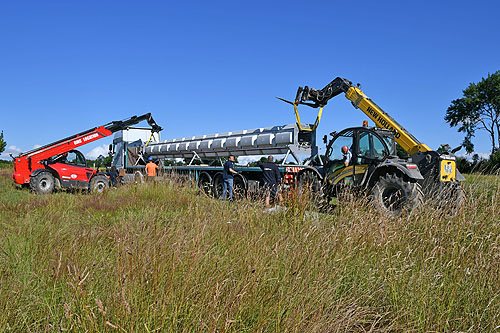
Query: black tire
x,y
449,198
205,183
99,184
393,195
42,183
138,177
218,186
239,187
309,182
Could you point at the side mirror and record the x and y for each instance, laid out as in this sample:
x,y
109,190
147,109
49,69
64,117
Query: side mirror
x,y
99,162
325,139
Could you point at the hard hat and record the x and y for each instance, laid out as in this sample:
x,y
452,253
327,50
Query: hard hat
x,y
150,158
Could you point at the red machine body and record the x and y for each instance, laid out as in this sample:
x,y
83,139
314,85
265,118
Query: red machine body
x,y
26,164
59,164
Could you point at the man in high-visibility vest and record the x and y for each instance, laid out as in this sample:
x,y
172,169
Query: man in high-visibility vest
x,y
151,169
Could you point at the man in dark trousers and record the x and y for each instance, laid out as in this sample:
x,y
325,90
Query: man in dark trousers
x,y
272,179
227,175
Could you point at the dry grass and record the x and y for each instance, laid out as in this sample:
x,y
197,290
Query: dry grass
x,y
164,258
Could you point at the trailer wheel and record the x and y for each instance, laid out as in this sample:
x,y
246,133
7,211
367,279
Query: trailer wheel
x,y
205,183
99,184
393,195
138,177
42,183
308,180
218,186
240,187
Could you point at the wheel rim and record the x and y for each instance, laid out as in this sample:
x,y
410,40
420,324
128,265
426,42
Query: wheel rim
x,y
100,186
44,184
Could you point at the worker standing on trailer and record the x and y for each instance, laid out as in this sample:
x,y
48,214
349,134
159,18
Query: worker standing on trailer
x,y
227,176
272,178
151,169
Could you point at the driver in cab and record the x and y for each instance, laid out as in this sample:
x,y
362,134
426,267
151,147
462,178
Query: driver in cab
x,y
347,155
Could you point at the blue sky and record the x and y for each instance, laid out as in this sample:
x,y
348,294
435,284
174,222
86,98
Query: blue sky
x,y
214,66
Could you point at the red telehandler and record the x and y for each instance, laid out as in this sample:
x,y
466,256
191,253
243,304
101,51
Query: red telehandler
x,y
59,165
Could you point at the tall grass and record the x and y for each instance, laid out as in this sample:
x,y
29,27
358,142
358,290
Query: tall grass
x,y
159,257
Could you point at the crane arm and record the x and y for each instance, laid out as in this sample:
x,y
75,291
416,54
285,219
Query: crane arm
x,y
91,135
319,98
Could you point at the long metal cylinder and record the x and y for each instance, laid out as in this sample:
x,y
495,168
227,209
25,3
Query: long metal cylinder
x,y
259,141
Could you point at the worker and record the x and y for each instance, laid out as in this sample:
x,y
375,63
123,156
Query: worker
x,y
151,169
113,175
271,177
347,155
228,178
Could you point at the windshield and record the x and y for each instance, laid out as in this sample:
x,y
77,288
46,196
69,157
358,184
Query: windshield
x,y
334,151
391,143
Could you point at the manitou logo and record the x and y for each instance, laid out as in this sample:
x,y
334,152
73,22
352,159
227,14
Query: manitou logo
x,y
85,139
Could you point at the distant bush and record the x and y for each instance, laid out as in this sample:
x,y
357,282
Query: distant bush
x,y
5,164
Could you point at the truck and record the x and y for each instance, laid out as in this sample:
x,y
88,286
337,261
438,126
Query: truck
x,y
395,184
60,165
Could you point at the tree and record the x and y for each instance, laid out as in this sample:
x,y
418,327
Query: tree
x,y
401,152
2,143
478,109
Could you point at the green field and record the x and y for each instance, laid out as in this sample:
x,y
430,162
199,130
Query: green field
x,y
164,258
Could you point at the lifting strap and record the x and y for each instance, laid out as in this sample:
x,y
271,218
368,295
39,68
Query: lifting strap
x,y
149,138
316,123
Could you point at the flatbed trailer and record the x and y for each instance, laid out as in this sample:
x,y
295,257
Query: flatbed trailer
x,y
209,178
288,140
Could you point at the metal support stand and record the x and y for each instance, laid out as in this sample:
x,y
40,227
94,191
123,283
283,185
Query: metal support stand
x,y
195,157
286,156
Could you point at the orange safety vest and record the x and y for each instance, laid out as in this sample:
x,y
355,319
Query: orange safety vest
x,y
151,169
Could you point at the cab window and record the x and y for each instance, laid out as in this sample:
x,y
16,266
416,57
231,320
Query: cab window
x,y
76,158
370,147
391,143
335,150
379,149
364,145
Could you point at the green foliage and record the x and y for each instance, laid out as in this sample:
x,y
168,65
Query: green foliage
x,y
173,162
161,257
401,152
478,109
3,144
5,164
480,165
100,163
